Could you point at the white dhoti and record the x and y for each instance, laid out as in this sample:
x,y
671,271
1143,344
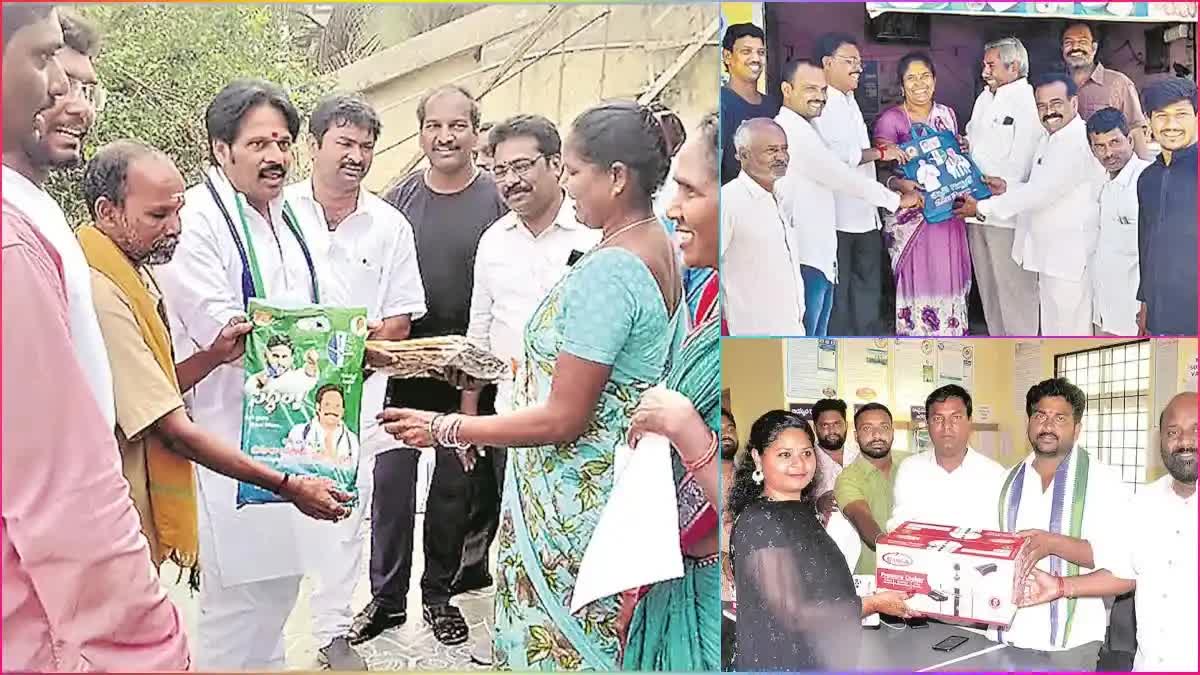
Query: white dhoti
x,y
1066,306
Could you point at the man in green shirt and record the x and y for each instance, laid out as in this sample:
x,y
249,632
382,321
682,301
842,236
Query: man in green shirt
x,y
864,488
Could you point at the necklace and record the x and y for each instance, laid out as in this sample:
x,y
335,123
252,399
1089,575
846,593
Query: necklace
x,y
624,229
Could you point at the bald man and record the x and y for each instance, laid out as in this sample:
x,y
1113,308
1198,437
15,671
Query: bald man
x,y
1158,558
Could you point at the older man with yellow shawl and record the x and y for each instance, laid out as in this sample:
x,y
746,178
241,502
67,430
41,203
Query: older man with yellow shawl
x,y
134,194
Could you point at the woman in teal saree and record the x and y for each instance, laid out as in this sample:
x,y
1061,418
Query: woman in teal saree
x,y
599,339
676,624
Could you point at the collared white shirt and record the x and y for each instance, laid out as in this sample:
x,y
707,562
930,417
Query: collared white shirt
x,y
1003,133
807,193
842,126
202,291
1105,507
1057,219
1158,551
514,270
966,497
40,209
1114,266
370,261
763,291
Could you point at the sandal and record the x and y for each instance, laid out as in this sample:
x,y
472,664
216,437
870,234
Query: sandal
x,y
448,624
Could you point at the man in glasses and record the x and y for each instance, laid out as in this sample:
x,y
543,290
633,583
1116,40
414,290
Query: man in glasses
x,y
858,295
520,258
67,123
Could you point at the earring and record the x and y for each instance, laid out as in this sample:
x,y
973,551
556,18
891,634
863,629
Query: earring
x,y
757,476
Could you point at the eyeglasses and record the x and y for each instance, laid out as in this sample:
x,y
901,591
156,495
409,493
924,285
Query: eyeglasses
x,y
521,167
90,92
852,61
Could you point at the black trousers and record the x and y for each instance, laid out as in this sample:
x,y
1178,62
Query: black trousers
x,y
483,518
858,295
449,510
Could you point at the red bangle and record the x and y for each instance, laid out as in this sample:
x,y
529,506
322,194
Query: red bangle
x,y
706,458
1062,587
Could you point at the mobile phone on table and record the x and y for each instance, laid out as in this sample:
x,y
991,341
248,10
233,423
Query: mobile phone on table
x,y
951,643
920,622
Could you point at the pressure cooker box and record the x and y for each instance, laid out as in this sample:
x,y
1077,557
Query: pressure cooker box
x,y
955,574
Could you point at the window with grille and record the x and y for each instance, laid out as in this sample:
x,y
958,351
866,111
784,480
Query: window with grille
x,y
1116,423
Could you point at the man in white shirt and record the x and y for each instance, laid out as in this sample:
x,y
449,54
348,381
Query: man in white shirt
x,y
1114,266
1156,554
806,193
252,556
1003,133
525,253
759,275
1057,218
366,258
61,125
858,300
951,484
1068,505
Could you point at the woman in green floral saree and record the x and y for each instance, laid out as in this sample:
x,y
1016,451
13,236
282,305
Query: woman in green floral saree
x,y
676,624
599,339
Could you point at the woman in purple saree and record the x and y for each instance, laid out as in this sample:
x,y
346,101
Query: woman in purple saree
x,y
931,262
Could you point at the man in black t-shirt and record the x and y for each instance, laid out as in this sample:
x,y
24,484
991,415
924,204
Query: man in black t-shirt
x,y
744,53
449,204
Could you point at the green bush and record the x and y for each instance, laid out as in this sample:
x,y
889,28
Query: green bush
x,y
162,65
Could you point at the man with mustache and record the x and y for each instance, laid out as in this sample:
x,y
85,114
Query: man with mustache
x,y
1156,554
1055,210
1167,213
760,275
858,291
952,484
1004,133
521,257
864,489
239,240
1114,264
806,192
449,204
1068,505
134,194
744,53
367,258
64,116
1101,87
79,590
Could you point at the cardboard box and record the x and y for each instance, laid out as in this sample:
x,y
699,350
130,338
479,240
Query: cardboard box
x,y
955,574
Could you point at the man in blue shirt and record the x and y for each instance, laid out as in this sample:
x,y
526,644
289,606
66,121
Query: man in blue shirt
x,y
744,53
1167,213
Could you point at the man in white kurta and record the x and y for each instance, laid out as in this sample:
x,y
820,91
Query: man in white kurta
x,y
1003,133
366,257
1039,500
252,556
1055,210
1114,265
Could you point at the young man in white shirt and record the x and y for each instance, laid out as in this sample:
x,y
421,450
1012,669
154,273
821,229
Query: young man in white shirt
x,y
858,299
1057,218
806,193
1068,505
951,484
1114,266
366,257
1156,553
759,275
61,127
253,557
1003,134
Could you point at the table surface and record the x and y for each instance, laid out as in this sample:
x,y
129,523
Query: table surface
x,y
895,648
